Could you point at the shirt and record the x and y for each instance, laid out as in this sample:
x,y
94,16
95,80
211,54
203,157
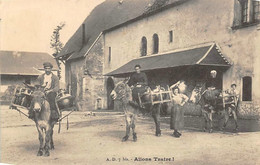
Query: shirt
x,y
180,99
47,81
212,82
138,78
54,85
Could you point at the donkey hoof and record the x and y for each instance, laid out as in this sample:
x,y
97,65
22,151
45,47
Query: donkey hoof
x,y
52,147
204,129
236,129
211,130
125,138
47,153
158,134
134,137
40,153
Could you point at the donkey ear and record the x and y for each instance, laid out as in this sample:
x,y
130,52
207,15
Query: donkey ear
x,y
126,79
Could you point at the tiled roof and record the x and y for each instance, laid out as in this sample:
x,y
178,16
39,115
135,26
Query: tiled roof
x,y
209,55
105,16
23,63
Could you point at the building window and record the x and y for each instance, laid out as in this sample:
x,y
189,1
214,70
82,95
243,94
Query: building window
x,y
170,36
244,10
109,54
247,13
144,46
256,11
247,89
155,44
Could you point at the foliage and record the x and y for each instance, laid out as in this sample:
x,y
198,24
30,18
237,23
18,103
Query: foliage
x,y
156,5
56,43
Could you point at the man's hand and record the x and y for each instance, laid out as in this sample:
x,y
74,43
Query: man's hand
x,y
47,91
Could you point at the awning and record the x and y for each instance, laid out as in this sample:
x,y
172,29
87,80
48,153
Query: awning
x,y
205,55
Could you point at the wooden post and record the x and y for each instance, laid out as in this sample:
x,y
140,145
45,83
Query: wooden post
x,y
223,100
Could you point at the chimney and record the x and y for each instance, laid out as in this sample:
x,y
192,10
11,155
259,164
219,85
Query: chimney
x,y
83,34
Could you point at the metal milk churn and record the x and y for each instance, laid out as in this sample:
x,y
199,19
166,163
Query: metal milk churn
x,y
64,100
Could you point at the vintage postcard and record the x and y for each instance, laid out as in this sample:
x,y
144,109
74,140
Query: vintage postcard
x,y
129,82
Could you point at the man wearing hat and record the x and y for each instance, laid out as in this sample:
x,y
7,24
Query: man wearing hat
x,y
50,82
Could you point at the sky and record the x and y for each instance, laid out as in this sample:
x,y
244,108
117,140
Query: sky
x,y
27,25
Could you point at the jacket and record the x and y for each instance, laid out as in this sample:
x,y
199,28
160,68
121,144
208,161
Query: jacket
x,y
55,86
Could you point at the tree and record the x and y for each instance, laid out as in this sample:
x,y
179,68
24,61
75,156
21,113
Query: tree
x,y
56,44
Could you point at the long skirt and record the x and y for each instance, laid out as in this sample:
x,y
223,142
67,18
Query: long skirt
x,y
177,117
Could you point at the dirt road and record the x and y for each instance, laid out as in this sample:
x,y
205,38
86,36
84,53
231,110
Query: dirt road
x,y
96,140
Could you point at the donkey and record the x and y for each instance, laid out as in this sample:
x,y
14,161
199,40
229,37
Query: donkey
x,y
211,102
122,92
41,108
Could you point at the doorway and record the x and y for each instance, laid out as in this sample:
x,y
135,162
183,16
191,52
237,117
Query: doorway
x,y
110,87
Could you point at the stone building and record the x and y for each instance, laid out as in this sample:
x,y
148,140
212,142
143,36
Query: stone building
x,y
173,40
84,52
167,41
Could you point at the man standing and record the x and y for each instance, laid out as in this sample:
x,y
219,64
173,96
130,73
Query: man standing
x,y
50,82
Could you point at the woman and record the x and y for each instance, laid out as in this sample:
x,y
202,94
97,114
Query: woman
x,y
177,113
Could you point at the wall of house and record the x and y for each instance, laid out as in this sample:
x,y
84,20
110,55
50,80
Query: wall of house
x,y
74,78
94,94
86,80
193,23
16,79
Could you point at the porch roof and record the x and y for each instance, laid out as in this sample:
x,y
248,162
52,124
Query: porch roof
x,y
208,55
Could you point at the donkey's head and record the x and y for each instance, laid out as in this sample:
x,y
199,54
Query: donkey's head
x,y
121,90
38,98
196,94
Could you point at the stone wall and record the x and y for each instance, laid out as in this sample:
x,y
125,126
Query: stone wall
x,y
94,91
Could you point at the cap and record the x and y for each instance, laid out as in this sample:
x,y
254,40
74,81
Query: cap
x,y
137,66
47,64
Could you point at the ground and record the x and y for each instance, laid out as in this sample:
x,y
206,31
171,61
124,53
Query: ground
x,y
95,139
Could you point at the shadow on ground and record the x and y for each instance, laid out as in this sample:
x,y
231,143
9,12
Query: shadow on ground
x,y
93,123
197,122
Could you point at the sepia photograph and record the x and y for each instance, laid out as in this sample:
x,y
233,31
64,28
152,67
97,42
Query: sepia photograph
x,y
100,82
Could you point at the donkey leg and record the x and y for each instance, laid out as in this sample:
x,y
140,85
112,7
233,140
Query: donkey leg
x,y
128,122
226,118
210,122
47,143
235,118
205,116
133,128
51,137
40,152
156,117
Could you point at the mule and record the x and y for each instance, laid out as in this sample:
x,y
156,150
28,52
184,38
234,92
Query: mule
x,y
41,108
123,93
211,102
